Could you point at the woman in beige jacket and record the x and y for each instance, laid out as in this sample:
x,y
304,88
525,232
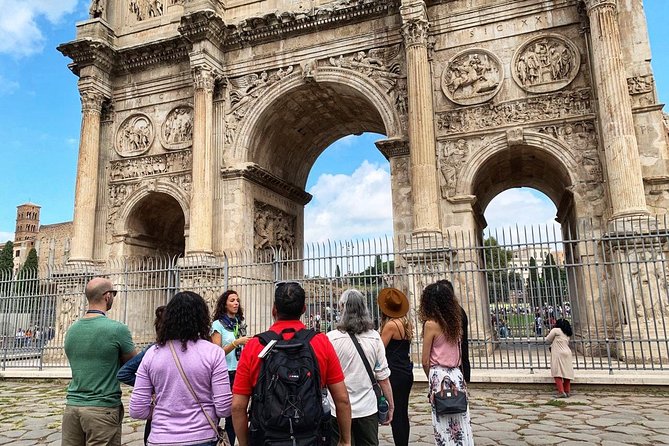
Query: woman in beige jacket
x,y
562,369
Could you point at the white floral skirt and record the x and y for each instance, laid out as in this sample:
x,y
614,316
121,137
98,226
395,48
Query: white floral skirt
x,y
450,430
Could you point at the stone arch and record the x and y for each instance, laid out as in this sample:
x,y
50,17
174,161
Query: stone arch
x,y
154,220
506,162
261,124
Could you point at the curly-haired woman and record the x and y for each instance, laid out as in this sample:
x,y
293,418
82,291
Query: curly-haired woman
x,y
228,330
177,418
441,315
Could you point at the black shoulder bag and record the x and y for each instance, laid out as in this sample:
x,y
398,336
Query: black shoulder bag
x,y
372,378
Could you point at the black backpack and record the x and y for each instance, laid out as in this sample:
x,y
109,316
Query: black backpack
x,y
286,407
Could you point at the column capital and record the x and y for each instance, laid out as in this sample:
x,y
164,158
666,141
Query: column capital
x,y
415,24
91,99
591,5
204,78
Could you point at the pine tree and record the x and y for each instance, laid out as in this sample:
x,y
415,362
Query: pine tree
x,y
27,281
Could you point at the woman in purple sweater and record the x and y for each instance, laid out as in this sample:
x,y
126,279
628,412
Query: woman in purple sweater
x,y
176,417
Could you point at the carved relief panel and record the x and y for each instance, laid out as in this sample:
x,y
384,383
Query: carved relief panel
x,y
273,228
581,138
177,130
452,157
536,109
472,76
546,63
129,169
134,136
147,9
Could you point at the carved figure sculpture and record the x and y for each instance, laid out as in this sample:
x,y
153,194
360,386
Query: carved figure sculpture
x,y
273,228
134,136
177,130
471,77
453,157
144,9
97,9
546,63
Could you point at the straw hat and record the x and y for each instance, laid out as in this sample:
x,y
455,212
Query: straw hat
x,y
393,302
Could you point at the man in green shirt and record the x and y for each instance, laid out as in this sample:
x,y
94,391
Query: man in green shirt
x,y
96,347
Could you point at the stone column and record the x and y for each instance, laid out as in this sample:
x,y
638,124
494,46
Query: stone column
x,y
424,183
86,190
202,196
615,112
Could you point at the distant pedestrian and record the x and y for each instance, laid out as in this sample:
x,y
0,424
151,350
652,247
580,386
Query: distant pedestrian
x,y
442,315
178,416
228,331
562,369
396,334
96,347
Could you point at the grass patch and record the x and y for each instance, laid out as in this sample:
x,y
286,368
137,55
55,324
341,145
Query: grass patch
x,y
515,403
556,403
54,425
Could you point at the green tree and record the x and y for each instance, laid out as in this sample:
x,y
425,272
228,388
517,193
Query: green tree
x,y
7,258
496,260
534,283
27,283
373,275
337,271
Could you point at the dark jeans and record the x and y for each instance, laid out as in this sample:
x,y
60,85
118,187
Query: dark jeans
x,y
229,428
401,383
364,431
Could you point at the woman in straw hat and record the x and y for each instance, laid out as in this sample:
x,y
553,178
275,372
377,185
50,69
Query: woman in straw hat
x,y
396,334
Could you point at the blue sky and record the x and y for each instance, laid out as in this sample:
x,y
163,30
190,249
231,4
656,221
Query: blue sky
x,y
40,119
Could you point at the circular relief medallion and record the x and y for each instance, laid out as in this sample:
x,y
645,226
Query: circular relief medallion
x,y
177,130
546,63
134,136
472,76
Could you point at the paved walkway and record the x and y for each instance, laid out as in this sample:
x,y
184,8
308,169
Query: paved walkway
x,y
30,414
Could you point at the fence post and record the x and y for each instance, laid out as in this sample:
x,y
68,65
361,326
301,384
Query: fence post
x,y
226,272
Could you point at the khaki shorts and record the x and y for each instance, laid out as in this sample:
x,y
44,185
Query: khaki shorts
x,y
92,426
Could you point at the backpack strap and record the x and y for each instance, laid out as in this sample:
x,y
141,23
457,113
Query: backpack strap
x,y
267,336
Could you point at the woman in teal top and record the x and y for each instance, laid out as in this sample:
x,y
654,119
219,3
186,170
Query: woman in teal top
x,y
228,330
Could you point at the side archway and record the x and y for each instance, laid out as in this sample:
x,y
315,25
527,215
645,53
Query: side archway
x,y
154,221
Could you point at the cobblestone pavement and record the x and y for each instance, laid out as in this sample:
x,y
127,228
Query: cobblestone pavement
x,y
30,414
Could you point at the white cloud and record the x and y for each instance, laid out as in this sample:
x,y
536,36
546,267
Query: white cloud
x,y
519,215
7,86
20,33
347,207
5,236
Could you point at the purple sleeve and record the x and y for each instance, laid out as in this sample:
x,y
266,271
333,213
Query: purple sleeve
x,y
140,400
220,385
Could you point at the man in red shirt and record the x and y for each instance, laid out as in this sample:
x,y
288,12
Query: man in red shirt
x,y
289,305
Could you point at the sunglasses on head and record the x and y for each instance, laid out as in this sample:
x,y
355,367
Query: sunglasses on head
x,y
113,292
286,282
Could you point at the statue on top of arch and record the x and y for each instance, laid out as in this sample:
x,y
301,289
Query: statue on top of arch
x,y
97,9
146,9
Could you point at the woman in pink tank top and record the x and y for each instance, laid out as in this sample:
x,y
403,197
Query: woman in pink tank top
x,y
441,359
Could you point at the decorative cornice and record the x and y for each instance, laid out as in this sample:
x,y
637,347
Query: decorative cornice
x,y
131,59
88,52
203,25
262,177
391,148
279,25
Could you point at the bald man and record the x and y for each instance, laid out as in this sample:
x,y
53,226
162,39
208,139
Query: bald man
x,y
96,348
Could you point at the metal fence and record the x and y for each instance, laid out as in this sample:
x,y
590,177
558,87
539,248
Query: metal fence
x,y
612,285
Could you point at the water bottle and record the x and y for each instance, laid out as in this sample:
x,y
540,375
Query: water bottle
x,y
383,409
325,433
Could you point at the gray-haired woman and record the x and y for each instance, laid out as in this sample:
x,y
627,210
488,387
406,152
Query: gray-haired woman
x,y
356,321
